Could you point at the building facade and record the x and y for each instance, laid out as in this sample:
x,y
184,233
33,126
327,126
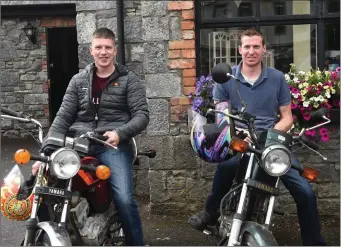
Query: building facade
x,y
168,44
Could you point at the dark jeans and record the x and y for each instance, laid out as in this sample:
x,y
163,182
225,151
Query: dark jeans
x,y
298,187
121,179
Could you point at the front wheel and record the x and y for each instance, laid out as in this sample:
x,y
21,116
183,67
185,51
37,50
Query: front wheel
x,y
249,240
42,239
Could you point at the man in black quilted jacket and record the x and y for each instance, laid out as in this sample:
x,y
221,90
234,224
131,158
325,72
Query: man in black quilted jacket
x,y
108,98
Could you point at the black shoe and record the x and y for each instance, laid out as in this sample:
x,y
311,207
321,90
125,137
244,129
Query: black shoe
x,y
200,220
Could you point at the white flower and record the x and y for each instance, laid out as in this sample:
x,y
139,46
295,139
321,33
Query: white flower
x,y
306,103
301,73
287,77
295,95
300,86
296,80
320,98
327,95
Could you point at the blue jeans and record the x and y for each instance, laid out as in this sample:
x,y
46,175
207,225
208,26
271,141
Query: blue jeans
x,y
298,187
121,180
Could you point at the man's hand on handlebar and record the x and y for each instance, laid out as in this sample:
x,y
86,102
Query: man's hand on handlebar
x,y
113,138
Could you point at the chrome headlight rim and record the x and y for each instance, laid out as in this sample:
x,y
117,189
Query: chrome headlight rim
x,y
271,149
53,164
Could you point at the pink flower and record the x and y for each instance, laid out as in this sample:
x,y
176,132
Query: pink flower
x,y
338,69
323,131
293,106
295,90
306,116
325,137
310,133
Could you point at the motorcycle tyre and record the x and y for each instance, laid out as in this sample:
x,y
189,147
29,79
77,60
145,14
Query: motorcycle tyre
x,y
43,240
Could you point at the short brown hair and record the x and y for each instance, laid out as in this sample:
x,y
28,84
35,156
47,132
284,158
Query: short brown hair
x,y
251,32
104,32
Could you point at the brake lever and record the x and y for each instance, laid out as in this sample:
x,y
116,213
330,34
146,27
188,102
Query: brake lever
x,y
90,136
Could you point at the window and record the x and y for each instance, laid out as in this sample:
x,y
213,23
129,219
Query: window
x,y
304,32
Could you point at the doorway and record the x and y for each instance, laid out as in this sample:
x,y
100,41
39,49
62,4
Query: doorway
x,y
62,63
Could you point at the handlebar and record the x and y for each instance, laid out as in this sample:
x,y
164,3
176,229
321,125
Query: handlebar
x,y
308,143
10,112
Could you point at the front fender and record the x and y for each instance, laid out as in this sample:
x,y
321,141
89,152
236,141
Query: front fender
x,y
57,235
261,234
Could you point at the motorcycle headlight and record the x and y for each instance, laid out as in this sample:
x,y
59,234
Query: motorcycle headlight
x,y
65,163
276,160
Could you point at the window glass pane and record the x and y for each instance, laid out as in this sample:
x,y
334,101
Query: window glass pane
x,y
332,6
291,44
227,8
332,45
219,45
286,7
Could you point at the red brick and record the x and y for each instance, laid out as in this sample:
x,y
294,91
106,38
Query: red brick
x,y
185,101
174,53
187,25
187,15
181,64
181,44
188,90
180,5
188,34
189,72
189,81
177,109
174,101
46,22
188,53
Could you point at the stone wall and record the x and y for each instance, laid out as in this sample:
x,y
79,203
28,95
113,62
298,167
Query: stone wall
x,y
160,48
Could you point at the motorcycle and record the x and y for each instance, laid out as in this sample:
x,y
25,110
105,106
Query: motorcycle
x,y
246,210
70,188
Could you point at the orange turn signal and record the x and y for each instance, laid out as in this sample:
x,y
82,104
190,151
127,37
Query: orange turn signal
x,y
103,172
238,145
310,173
22,156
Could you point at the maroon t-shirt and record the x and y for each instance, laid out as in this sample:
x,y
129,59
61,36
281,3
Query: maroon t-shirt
x,y
98,84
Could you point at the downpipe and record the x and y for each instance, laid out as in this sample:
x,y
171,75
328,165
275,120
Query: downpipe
x,y
238,217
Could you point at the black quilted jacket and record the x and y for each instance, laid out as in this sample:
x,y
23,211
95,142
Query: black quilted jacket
x,y
123,105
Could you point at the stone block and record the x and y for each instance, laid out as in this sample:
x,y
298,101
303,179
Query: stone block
x,y
328,206
28,77
155,57
198,189
110,23
327,190
175,28
137,53
107,13
84,55
170,208
8,78
32,99
86,25
142,183
175,183
22,64
159,117
133,29
2,65
184,155
95,5
155,28
163,85
154,8
157,185
8,51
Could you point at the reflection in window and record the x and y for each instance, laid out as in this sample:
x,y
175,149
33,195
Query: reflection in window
x,y
279,8
280,30
332,6
332,45
296,45
245,9
227,8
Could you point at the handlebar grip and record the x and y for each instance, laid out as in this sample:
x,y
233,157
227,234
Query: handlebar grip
x,y
309,143
9,112
101,137
150,153
88,168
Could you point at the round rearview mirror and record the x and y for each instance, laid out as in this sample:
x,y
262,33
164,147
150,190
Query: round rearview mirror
x,y
221,73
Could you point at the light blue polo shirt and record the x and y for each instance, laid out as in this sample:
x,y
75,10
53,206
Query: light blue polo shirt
x,y
262,99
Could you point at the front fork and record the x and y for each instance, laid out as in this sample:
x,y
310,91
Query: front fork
x,y
238,217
